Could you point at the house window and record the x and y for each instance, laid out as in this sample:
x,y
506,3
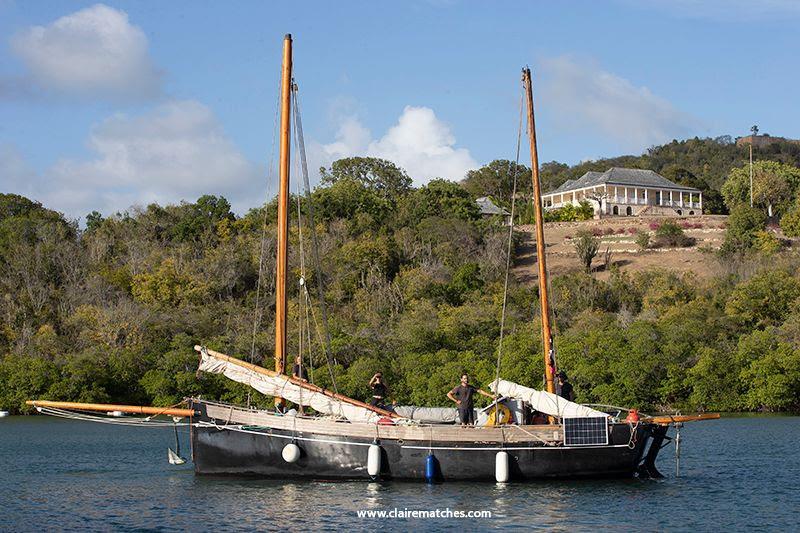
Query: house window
x,y
679,212
615,210
691,212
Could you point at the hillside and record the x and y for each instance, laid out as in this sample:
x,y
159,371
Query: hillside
x,y
413,279
617,235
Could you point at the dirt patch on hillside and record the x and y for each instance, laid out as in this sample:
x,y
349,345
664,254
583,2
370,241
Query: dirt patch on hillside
x,y
618,236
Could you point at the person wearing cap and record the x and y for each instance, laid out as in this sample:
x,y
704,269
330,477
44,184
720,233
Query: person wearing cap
x,y
565,387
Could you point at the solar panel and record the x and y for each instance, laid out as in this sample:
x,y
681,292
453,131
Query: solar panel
x,y
585,431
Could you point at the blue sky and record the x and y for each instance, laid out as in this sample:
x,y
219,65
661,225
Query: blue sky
x,y
110,105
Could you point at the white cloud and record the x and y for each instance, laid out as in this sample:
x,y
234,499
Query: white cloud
x,y
175,152
587,99
94,52
419,142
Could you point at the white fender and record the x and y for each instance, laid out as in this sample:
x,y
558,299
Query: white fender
x,y
374,460
291,452
501,467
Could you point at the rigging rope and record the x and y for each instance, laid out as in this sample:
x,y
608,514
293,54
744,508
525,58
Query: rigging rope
x,y
257,315
314,241
508,259
125,421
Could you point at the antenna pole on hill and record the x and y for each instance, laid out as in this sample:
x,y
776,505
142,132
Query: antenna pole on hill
x,y
754,129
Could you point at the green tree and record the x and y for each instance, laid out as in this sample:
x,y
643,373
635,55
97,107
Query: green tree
x,y
774,186
93,220
379,175
199,220
351,200
770,371
439,198
765,299
497,180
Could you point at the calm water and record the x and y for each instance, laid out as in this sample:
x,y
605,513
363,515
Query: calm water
x,y
736,473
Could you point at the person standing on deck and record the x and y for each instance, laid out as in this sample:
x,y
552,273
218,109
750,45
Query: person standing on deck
x,y
565,389
298,370
380,391
462,396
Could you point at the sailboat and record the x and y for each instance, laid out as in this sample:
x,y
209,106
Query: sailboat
x,y
349,439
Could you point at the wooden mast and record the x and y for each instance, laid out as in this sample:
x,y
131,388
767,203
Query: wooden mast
x,y
283,211
547,336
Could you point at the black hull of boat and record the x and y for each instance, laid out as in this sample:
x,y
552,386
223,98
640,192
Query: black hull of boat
x,y
257,452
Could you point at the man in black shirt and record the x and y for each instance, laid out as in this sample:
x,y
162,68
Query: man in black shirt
x,y
380,391
565,387
462,396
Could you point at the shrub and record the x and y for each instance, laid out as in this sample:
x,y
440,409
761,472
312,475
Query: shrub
x,y
669,234
642,239
586,246
585,211
743,224
766,242
790,222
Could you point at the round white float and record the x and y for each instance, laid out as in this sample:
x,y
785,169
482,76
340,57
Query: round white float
x,y
291,452
374,460
3,414
501,467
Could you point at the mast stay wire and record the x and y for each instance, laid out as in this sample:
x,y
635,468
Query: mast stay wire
x,y
303,297
508,258
314,241
257,312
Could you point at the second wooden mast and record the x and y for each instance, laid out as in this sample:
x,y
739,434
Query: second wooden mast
x,y
283,210
547,335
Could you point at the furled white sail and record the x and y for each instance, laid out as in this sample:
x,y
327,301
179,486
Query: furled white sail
x,y
281,386
544,402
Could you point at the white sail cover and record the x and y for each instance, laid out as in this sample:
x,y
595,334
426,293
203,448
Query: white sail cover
x,y
432,415
281,386
544,402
